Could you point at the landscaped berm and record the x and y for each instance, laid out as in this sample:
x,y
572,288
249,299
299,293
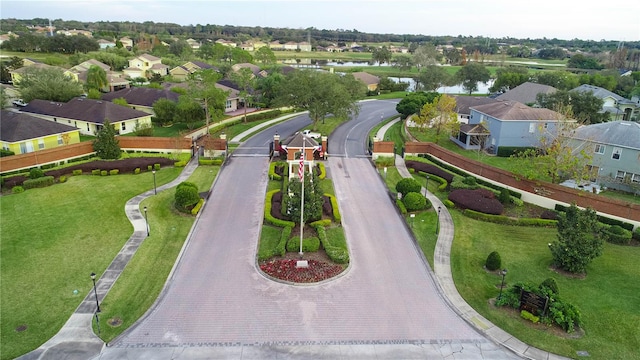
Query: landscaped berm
x,y
324,248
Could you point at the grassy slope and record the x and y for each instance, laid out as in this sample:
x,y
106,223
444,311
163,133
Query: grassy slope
x,y
53,238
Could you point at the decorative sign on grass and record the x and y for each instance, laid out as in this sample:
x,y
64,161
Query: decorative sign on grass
x,y
533,303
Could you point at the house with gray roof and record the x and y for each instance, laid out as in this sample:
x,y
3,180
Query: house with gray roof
x,y
514,124
618,107
464,103
24,133
615,150
142,98
526,93
89,115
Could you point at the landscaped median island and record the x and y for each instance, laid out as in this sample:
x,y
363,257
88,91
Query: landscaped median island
x,y
324,245
536,298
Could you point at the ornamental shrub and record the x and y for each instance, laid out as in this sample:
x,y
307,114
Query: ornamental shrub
x,y
197,208
408,185
149,167
551,284
636,234
414,201
616,234
156,167
529,316
17,189
95,172
38,183
36,173
182,163
136,171
505,196
401,207
104,173
460,182
77,172
493,261
114,172
311,244
186,196
62,179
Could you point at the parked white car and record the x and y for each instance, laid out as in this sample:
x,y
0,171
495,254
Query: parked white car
x,y
19,102
311,134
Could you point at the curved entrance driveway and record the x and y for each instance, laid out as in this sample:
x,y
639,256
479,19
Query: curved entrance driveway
x,y
218,305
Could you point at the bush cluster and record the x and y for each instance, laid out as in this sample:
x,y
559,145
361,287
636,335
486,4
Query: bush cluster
x,y
334,207
504,220
636,234
429,169
493,262
267,212
276,169
408,185
480,200
401,207
114,172
602,219
310,244
616,234
17,189
414,201
385,161
460,182
104,173
196,209
77,172
186,196
38,182
507,151
182,163
36,173
205,161
337,254
529,316
62,179
136,171
323,171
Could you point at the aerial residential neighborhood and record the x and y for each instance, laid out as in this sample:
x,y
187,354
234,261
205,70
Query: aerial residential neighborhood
x,y
182,191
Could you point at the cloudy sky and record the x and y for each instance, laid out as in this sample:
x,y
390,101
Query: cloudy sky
x,y
587,19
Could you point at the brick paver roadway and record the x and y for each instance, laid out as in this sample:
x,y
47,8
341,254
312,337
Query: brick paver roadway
x,y
217,296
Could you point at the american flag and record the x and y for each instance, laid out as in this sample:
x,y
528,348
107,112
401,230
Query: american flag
x,y
301,168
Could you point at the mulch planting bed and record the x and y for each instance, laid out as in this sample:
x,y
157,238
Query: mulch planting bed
x,y
125,166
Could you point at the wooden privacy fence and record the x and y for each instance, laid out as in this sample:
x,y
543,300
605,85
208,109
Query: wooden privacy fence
x,y
553,191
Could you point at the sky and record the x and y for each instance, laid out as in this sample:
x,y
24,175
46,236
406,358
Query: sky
x,y
561,19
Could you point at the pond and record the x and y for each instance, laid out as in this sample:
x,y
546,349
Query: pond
x,y
458,89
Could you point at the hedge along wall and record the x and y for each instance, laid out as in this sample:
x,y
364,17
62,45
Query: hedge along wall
x,y
46,156
550,195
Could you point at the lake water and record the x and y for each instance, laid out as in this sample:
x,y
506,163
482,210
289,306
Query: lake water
x,y
458,89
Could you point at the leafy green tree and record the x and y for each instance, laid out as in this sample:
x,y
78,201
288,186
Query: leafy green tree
x,y
106,144
426,55
471,74
94,94
188,111
181,49
267,87
120,101
579,61
381,55
321,94
412,103
561,80
265,55
402,62
47,84
245,80
165,111
585,107
239,56
432,77
202,90
509,77
4,99
578,240
313,199
453,56
96,78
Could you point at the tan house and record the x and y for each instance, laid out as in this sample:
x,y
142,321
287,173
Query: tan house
x,y
371,81
258,44
255,69
17,74
183,71
126,42
226,43
74,32
247,46
195,44
275,45
233,98
88,115
144,64
304,46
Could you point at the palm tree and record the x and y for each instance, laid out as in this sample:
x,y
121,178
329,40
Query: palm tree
x,y
96,78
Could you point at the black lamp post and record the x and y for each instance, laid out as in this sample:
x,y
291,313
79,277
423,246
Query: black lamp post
x,y
504,273
426,188
93,277
438,222
155,189
146,220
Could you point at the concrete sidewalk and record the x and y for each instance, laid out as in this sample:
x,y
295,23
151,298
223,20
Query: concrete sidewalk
x,y
76,339
444,281
383,130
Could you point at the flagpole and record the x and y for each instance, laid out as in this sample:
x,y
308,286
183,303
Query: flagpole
x,y
301,175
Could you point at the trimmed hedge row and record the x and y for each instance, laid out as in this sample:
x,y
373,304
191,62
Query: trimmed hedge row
x,y
204,161
616,234
38,182
267,212
334,205
602,219
337,254
429,169
272,170
508,151
504,220
443,183
197,208
310,244
465,174
323,171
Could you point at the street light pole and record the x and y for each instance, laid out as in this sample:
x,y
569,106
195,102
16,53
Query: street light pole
x,y
93,278
146,220
504,273
412,216
385,173
155,189
438,222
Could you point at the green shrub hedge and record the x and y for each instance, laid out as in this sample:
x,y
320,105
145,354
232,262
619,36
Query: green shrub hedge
x,y
636,234
114,172
95,172
77,172
323,171
507,151
182,163
493,262
156,167
38,182
205,161
337,254
407,185
401,207
529,316
501,219
104,173
36,173
17,189
443,182
334,205
186,196
310,244
602,219
62,179
196,209
414,201
272,170
385,161
267,212
616,234
136,171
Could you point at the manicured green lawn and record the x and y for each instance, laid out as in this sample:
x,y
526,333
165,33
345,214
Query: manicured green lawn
x,y
145,275
175,129
52,239
608,297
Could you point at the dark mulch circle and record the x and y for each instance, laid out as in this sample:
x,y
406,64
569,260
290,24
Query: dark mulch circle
x,y
114,322
21,328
